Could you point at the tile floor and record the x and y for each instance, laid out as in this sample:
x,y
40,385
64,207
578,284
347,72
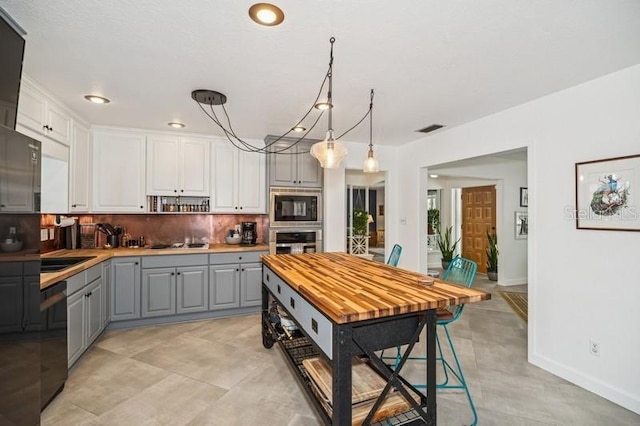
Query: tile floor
x,y
217,372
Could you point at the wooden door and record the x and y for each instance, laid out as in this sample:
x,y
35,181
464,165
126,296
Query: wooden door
x,y
478,217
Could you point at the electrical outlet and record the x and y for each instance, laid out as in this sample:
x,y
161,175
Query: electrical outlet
x,y
44,235
594,347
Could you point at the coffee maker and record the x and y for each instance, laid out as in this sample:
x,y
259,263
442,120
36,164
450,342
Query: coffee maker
x,y
249,233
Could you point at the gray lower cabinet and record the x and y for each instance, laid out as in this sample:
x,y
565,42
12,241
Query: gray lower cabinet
x,y
192,289
224,286
125,288
158,292
85,311
235,280
174,284
106,292
251,284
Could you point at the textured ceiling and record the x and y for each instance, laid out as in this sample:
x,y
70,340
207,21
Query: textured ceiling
x,y
447,62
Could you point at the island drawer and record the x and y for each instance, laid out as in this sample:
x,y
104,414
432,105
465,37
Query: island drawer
x,y
315,325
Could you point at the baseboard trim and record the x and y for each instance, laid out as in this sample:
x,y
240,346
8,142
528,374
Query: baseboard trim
x,y
624,399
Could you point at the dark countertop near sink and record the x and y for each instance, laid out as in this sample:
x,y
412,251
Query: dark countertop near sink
x,y
50,278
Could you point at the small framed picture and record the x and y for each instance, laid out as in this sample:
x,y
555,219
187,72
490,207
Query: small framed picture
x,y
607,194
522,225
524,197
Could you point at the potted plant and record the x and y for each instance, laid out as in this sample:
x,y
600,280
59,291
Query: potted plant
x,y
360,222
433,221
492,256
447,249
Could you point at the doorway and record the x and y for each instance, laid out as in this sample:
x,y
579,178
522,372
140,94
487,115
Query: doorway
x,y
365,205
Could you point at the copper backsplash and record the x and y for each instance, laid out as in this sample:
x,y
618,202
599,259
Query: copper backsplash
x,y
170,228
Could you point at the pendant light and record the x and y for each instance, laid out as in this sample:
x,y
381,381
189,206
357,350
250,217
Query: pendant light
x,y
329,152
371,164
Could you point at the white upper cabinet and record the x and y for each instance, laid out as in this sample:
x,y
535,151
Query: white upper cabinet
x,y
42,115
118,171
80,170
238,180
178,166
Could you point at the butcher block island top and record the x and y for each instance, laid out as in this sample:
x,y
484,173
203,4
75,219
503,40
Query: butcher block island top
x,y
348,288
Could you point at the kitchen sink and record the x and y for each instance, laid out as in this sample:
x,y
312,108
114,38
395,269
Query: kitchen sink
x,y
56,264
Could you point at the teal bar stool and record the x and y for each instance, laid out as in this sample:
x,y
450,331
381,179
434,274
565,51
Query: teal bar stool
x,y
460,271
394,257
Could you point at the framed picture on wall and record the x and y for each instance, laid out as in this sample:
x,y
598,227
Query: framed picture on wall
x,y
522,225
524,197
607,194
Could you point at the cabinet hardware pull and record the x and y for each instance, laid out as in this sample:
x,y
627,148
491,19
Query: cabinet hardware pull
x,y
292,302
172,274
279,291
314,325
267,277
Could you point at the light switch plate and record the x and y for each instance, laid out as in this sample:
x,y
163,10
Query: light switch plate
x,y
52,233
44,234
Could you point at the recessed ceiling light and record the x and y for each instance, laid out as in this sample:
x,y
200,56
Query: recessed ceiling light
x,y
434,176
97,99
176,124
323,106
299,129
266,14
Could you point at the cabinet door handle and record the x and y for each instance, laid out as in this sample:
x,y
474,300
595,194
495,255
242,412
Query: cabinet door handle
x,y
136,263
292,302
240,207
242,269
172,274
278,289
175,190
182,190
178,273
142,207
314,325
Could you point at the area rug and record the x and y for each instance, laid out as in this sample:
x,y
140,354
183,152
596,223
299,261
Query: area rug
x,y
518,302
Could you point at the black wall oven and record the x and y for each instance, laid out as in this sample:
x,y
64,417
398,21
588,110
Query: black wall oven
x,y
295,207
293,241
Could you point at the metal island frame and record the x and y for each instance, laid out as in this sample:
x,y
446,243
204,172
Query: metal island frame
x,y
347,306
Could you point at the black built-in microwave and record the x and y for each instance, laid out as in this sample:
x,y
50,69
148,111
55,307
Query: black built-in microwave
x,y
295,207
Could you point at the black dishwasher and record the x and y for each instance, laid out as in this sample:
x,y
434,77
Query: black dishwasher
x,y
53,341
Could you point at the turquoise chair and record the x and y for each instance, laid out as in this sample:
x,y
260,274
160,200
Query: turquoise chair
x,y
394,257
460,271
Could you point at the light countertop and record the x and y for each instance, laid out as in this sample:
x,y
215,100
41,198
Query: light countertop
x,y
49,278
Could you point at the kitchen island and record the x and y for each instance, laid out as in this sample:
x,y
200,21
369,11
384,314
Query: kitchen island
x,y
350,307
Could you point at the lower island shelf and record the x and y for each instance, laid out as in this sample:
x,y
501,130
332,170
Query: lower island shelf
x,y
315,374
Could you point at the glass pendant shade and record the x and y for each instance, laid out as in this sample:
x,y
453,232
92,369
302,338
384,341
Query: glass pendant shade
x,y
371,164
329,152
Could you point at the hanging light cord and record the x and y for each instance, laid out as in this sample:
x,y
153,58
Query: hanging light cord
x,y
371,123
245,146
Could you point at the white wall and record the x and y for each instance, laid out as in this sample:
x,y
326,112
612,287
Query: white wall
x,y
583,284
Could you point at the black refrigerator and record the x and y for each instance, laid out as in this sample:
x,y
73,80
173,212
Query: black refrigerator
x,y
20,318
